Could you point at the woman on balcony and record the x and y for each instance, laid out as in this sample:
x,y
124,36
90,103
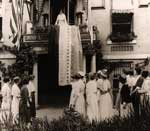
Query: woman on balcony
x,y
64,49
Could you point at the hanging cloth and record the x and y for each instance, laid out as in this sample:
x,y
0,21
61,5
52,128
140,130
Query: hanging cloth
x,y
77,54
64,50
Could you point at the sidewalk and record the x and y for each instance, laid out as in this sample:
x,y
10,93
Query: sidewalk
x,y
55,112
49,112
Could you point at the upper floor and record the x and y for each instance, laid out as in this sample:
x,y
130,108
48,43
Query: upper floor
x,y
123,27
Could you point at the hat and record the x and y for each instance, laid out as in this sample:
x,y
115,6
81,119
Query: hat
x,y
99,72
104,73
91,75
16,78
122,79
75,76
81,73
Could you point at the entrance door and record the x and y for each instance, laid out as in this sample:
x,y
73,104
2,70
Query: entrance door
x,y
43,80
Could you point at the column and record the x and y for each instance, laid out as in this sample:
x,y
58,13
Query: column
x,y
93,63
84,63
35,72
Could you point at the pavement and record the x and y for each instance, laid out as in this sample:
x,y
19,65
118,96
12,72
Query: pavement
x,y
49,112
54,112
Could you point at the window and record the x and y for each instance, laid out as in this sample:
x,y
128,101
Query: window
x,y
71,12
45,19
122,27
144,3
96,4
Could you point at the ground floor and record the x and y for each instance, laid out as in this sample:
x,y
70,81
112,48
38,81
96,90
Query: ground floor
x,y
48,92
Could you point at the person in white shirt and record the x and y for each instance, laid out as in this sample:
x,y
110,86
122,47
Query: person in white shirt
x,y
91,99
15,93
6,100
145,90
106,103
99,86
77,100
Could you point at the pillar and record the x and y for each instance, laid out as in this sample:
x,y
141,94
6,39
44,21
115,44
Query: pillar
x,y
93,63
84,63
35,72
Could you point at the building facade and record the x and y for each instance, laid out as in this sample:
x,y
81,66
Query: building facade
x,y
43,14
124,30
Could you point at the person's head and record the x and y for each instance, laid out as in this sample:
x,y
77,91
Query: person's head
x,y
25,81
138,71
125,71
17,80
81,74
145,74
6,79
92,76
61,12
131,72
104,73
122,79
75,76
31,77
99,74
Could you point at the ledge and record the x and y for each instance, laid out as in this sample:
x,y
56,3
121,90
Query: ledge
x,y
133,42
97,8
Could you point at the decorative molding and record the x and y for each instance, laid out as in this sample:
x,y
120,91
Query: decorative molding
x,y
97,8
143,6
98,5
124,48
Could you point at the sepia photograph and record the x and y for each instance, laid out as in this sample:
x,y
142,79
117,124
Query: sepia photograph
x,y
74,65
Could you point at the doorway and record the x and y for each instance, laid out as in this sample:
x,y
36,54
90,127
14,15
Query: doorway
x,y
49,93
43,80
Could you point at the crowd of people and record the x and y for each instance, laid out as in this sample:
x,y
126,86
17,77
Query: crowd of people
x,y
18,100
92,94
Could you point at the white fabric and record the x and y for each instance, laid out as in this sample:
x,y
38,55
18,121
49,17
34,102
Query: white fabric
x,y
130,81
15,102
92,101
76,51
146,86
64,50
125,112
70,50
106,104
6,99
121,6
31,88
99,86
77,96
79,6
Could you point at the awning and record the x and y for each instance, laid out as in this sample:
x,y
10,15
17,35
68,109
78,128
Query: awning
x,y
122,6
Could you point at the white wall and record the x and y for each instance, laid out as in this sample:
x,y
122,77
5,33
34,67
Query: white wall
x,y
141,26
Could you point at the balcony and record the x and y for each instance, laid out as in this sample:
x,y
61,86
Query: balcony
x,y
118,37
39,40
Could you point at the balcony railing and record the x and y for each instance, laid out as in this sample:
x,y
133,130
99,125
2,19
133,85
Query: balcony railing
x,y
118,37
36,40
